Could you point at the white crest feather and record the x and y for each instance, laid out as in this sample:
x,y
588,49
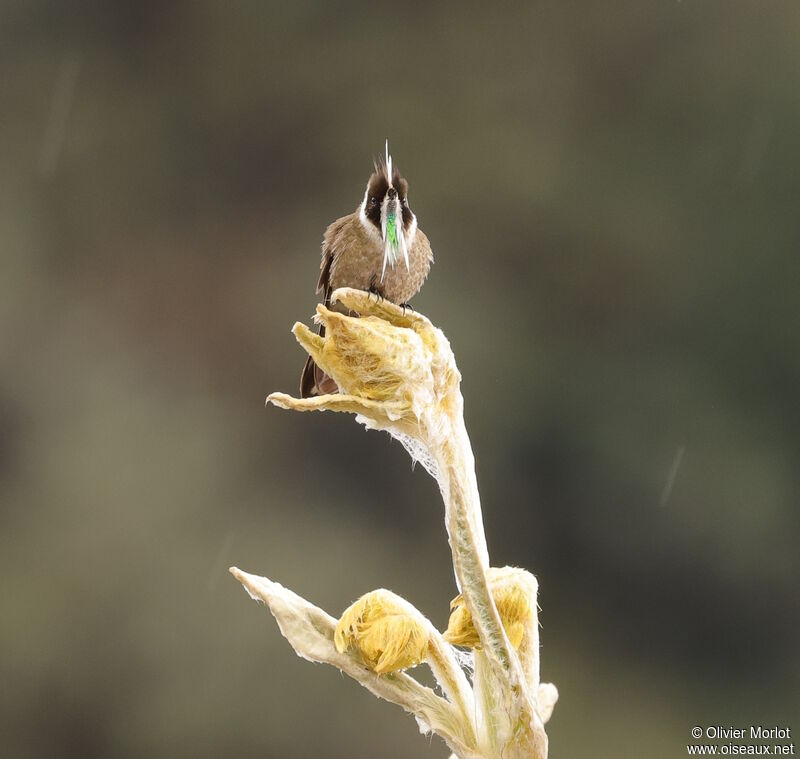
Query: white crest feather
x,y
388,162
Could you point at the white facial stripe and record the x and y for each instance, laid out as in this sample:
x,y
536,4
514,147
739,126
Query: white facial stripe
x,y
366,224
362,213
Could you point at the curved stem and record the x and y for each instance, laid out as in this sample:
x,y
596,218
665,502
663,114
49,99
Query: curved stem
x,y
510,701
453,682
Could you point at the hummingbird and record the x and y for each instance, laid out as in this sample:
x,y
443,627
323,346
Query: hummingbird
x,y
378,248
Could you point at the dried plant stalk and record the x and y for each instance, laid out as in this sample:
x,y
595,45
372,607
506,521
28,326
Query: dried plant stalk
x,y
396,372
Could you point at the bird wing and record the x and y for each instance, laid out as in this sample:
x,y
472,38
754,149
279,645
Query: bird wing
x,y
329,254
324,281
313,380
423,240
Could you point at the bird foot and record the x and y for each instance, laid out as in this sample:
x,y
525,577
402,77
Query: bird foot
x,y
373,289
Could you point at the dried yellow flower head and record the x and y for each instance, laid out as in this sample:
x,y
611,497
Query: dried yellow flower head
x,y
513,591
371,358
392,367
390,634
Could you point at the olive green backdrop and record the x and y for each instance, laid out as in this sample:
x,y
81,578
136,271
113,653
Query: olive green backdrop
x,y
611,191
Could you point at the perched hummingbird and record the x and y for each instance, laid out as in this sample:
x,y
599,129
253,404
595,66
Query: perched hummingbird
x,y
378,248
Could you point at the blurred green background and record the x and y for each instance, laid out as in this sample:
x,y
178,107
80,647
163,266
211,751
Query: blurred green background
x,y
611,191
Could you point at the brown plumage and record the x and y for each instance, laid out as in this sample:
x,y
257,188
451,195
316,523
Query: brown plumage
x,y
353,251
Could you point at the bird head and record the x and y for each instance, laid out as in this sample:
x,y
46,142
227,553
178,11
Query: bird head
x,y
386,207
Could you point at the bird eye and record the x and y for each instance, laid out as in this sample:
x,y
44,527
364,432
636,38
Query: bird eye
x,y
374,201
404,201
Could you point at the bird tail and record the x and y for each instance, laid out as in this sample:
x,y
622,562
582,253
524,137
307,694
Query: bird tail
x,y
313,381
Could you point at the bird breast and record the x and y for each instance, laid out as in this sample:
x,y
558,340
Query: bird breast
x,y
358,261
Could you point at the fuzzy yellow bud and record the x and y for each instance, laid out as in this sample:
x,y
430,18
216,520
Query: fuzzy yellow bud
x,y
390,634
513,591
